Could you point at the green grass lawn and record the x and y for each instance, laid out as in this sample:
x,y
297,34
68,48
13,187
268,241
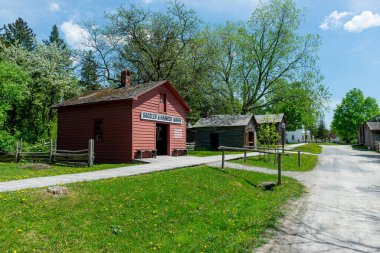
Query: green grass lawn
x,y
198,209
313,148
14,171
289,163
203,153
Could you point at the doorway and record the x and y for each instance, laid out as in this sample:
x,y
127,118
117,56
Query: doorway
x,y
162,139
214,140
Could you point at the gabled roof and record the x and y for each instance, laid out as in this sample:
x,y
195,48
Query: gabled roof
x,y
226,120
269,118
122,93
374,119
373,126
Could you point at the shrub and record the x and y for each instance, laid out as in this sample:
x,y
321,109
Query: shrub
x,y
7,142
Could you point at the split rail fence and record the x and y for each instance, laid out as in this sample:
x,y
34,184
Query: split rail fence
x,y
262,150
84,157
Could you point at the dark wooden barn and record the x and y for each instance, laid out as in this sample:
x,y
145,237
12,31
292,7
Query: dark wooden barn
x,y
125,122
233,130
369,132
225,130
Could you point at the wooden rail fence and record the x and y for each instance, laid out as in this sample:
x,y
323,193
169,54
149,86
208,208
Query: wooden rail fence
x,y
84,157
246,150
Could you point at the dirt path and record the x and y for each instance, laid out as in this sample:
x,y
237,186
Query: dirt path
x,y
341,211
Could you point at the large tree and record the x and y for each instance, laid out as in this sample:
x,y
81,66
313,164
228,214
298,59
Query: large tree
x,y
354,110
13,91
157,46
19,33
264,65
51,81
273,51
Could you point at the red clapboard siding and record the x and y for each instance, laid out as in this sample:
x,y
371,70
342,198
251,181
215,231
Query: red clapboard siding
x,y
144,132
76,127
123,130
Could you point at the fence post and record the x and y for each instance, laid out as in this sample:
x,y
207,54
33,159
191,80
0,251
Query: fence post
x,y
90,152
16,152
279,180
299,158
20,152
275,155
222,158
51,151
245,156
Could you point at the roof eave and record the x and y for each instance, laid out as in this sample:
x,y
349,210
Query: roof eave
x,y
89,103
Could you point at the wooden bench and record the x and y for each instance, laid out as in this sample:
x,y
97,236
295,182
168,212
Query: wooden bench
x,y
176,150
140,152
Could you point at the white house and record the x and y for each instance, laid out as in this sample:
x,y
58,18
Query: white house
x,y
298,136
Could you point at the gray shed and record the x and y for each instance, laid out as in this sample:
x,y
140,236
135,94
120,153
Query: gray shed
x,y
369,132
225,130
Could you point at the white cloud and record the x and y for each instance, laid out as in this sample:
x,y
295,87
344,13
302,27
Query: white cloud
x,y
74,34
363,21
147,1
334,20
350,22
54,7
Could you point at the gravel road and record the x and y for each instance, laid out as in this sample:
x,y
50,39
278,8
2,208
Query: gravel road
x,y
340,212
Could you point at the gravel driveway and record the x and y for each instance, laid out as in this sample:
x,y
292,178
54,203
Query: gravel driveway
x,y
341,211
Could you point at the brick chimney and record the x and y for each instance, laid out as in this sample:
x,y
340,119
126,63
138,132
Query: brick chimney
x,y
126,78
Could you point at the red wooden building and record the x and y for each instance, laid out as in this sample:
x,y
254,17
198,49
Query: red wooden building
x,y
126,122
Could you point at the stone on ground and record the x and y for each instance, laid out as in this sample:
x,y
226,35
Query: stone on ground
x,y
57,190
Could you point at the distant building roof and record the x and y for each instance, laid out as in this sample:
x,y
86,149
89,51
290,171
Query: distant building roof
x,y
374,119
114,94
373,126
226,120
269,118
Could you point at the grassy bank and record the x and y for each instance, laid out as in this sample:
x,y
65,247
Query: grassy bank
x,y
289,163
17,171
313,148
199,209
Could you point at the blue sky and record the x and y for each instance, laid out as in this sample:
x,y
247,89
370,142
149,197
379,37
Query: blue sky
x,y
350,31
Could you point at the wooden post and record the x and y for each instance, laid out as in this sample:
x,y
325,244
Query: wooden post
x,y
245,156
299,158
279,180
51,151
90,152
16,152
222,158
20,152
275,156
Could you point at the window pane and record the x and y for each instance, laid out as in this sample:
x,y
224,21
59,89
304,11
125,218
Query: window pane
x,y
98,130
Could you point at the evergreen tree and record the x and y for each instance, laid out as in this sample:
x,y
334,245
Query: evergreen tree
x,y
18,33
88,72
54,38
322,131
